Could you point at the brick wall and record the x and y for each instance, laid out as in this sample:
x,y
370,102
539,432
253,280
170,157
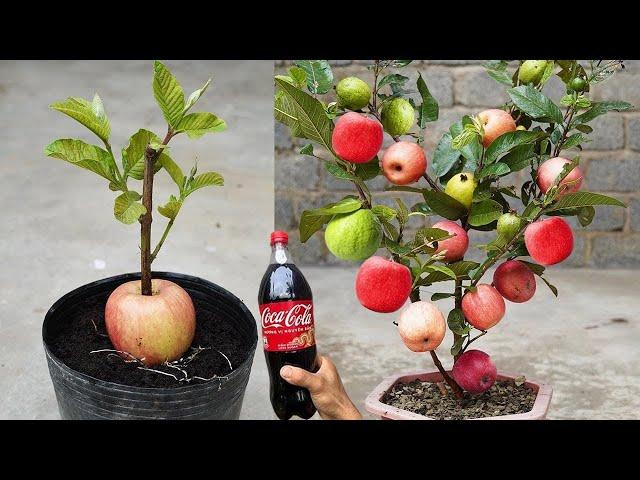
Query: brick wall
x,y
611,162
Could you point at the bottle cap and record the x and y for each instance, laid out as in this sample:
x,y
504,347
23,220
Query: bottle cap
x,y
279,237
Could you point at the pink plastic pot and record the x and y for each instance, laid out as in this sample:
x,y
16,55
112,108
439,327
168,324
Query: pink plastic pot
x,y
387,412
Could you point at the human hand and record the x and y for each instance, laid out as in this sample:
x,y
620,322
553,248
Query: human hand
x,y
327,392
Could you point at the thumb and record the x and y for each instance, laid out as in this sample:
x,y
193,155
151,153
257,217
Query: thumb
x,y
300,377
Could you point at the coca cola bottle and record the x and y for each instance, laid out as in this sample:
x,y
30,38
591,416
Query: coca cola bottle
x,y
286,313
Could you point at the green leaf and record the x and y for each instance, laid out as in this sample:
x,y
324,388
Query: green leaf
x,y
585,215
531,211
319,75
404,188
195,96
133,155
384,213
83,155
395,247
173,169
600,108
89,114
299,76
429,109
584,199
204,180
551,287
441,296
510,140
461,269
496,169
346,205
168,94
338,171
472,150
171,208
584,128
196,125
497,70
446,271
445,156
583,102
400,63
456,322
430,235
307,150
519,157
310,224
457,345
534,267
444,205
402,212
548,72
392,79
306,114
127,208
535,104
368,170
573,140
484,212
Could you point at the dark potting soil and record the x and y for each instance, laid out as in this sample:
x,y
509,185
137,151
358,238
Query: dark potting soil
x,y
84,331
425,398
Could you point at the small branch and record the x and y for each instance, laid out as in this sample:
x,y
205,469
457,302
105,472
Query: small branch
x,y
458,304
567,122
162,239
457,391
471,340
363,196
431,182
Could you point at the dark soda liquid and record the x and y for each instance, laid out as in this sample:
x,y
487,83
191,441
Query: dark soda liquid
x,y
281,283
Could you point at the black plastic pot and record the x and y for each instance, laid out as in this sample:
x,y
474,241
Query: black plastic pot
x,y
82,397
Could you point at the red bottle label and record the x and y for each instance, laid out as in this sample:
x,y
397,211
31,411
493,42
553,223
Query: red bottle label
x,y
287,326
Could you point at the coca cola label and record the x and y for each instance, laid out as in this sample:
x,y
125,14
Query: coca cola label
x,y
287,326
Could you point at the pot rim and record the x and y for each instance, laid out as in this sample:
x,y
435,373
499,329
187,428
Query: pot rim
x,y
373,403
124,277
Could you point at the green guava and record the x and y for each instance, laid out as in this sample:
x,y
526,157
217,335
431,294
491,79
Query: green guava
x,y
353,236
531,71
353,93
578,84
509,225
398,117
461,187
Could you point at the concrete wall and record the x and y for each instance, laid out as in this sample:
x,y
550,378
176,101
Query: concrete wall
x,y
611,162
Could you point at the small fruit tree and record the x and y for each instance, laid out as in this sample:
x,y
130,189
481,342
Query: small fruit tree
x,y
150,320
468,184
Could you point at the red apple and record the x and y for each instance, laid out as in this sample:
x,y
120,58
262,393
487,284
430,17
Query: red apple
x,y
549,171
455,246
422,327
483,308
474,371
356,138
404,163
152,328
515,281
495,123
549,241
382,285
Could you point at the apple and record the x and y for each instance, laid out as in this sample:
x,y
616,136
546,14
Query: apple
x,y
455,246
461,187
495,123
356,138
549,241
404,163
422,327
383,285
152,328
474,371
531,71
398,117
509,224
549,170
353,93
515,281
483,308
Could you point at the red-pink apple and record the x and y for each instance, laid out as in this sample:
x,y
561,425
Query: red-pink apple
x,y
474,371
549,241
483,308
356,138
422,327
549,171
495,123
383,285
455,246
152,328
404,163
515,281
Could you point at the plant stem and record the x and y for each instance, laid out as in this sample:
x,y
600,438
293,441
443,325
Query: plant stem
x,y
363,196
457,391
150,157
162,239
567,122
471,340
431,182
458,304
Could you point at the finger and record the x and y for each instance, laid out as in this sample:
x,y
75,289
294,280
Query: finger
x,y
300,377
